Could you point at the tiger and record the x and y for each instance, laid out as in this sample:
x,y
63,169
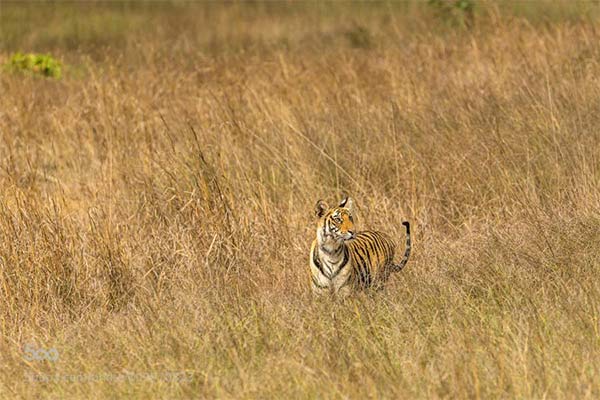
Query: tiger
x,y
343,260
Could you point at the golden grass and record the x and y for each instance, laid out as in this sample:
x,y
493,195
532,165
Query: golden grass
x,y
156,203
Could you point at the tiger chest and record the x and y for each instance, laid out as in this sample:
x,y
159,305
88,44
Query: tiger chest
x,y
332,272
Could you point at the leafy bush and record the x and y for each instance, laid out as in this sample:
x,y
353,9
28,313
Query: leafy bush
x,y
457,12
42,64
360,37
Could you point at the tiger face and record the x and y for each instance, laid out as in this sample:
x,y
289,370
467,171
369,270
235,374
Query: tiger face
x,y
337,223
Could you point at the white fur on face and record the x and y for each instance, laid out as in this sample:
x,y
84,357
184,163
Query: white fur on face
x,y
330,239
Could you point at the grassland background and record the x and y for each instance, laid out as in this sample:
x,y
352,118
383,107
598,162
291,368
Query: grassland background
x,y
156,202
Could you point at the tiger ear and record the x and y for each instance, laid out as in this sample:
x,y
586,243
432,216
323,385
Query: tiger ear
x,y
347,203
320,208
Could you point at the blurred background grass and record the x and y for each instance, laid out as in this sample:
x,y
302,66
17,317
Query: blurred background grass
x,y
94,26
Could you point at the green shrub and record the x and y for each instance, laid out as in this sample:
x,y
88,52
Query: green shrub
x,y
42,64
455,12
360,37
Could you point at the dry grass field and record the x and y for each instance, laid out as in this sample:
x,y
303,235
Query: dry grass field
x,y
156,202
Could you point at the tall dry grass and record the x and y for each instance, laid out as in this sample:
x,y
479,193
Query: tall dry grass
x,y
156,203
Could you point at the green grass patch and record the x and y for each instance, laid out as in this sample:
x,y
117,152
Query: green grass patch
x,y
39,64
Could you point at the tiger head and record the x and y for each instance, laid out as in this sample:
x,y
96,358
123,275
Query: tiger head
x,y
335,223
